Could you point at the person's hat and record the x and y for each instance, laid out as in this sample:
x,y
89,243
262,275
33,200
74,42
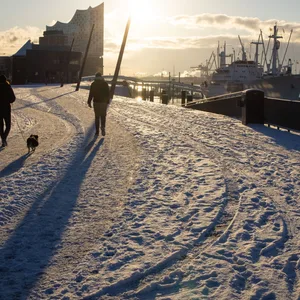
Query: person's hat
x,y
2,78
98,74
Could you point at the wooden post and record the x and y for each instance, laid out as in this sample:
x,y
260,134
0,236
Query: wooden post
x,y
253,108
68,61
84,60
169,91
173,96
118,66
183,97
66,68
152,95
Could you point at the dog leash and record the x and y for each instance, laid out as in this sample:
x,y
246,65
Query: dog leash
x,y
15,115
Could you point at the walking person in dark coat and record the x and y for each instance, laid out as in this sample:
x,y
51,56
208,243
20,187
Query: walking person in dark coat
x,y
99,93
7,97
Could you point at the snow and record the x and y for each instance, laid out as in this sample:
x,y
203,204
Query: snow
x,y
172,203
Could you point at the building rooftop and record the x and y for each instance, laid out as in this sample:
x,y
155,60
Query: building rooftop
x,y
22,50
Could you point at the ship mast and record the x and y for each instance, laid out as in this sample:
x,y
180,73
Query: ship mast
x,y
223,57
218,54
280,66
244,56
276,47
256,52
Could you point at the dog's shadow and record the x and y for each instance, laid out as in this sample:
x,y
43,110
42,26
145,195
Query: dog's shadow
x,y
15,166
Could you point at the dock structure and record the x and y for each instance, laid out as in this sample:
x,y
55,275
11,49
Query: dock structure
x,y
139,88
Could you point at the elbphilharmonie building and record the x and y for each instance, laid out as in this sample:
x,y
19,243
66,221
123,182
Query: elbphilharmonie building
x,y
79,29
53,60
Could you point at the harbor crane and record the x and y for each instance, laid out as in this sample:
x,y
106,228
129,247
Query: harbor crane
x,y
244,56
206,69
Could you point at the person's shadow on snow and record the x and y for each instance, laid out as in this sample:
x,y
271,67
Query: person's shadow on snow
x,y
15,166
42,101
34,242
92,142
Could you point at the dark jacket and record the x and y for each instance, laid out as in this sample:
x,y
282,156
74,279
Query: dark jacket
x,y
99,91
7,95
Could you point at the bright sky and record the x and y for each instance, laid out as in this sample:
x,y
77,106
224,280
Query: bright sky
x,y
172,35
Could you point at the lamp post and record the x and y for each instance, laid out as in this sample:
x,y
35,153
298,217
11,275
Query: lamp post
x,y
84,60
118,66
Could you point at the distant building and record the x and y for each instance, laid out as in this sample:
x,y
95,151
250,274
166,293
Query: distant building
x,y
45,63
19,68
53,38
53,60
5,66
79,29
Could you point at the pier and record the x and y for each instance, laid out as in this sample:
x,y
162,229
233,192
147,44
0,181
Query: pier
x,y
156,90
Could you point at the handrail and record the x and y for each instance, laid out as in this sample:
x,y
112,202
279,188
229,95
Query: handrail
x,y
186,86
216,98
281,99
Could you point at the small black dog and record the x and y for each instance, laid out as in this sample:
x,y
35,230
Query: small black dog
x,y
32,142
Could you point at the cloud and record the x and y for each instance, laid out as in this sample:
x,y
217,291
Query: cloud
x,y
215,20
151,54
224,25
163,73
173,43
222,21
13,39
157,52
251,26
154,60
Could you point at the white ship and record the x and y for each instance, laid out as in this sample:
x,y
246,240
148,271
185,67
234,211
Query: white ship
x,y
242,74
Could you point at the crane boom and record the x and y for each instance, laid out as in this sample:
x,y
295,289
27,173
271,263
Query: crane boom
x,y
244,57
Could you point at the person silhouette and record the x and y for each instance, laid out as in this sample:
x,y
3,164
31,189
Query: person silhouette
x,y
7,96
99,93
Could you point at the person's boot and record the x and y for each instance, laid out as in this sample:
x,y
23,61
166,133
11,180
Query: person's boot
x,y
4,143
103,131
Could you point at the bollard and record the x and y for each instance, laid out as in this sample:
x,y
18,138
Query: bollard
x,y
183,97
253,107
144,94
152,96
165,98
189,98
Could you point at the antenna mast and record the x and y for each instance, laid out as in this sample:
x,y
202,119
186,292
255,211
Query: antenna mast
x,y
276,47
256,50
280,66
244,56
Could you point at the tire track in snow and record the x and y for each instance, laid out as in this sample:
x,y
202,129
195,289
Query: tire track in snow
x,y
249,172
218,158
98,205
55,157
177,259
230,176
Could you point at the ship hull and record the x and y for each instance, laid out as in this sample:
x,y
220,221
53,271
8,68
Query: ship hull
x,y
283,87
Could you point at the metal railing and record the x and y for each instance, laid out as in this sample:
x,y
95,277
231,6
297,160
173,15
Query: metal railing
x,y
249,106
225,104
282,113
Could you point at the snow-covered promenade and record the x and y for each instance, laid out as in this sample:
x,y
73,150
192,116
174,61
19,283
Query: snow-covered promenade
x,y
172,204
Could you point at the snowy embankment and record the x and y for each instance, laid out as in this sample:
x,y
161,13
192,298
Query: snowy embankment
x,y
171,204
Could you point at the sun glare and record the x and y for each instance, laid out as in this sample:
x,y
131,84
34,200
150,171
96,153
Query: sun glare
x,y
140,10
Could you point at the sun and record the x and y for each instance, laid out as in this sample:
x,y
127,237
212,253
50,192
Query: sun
x,y
140,10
